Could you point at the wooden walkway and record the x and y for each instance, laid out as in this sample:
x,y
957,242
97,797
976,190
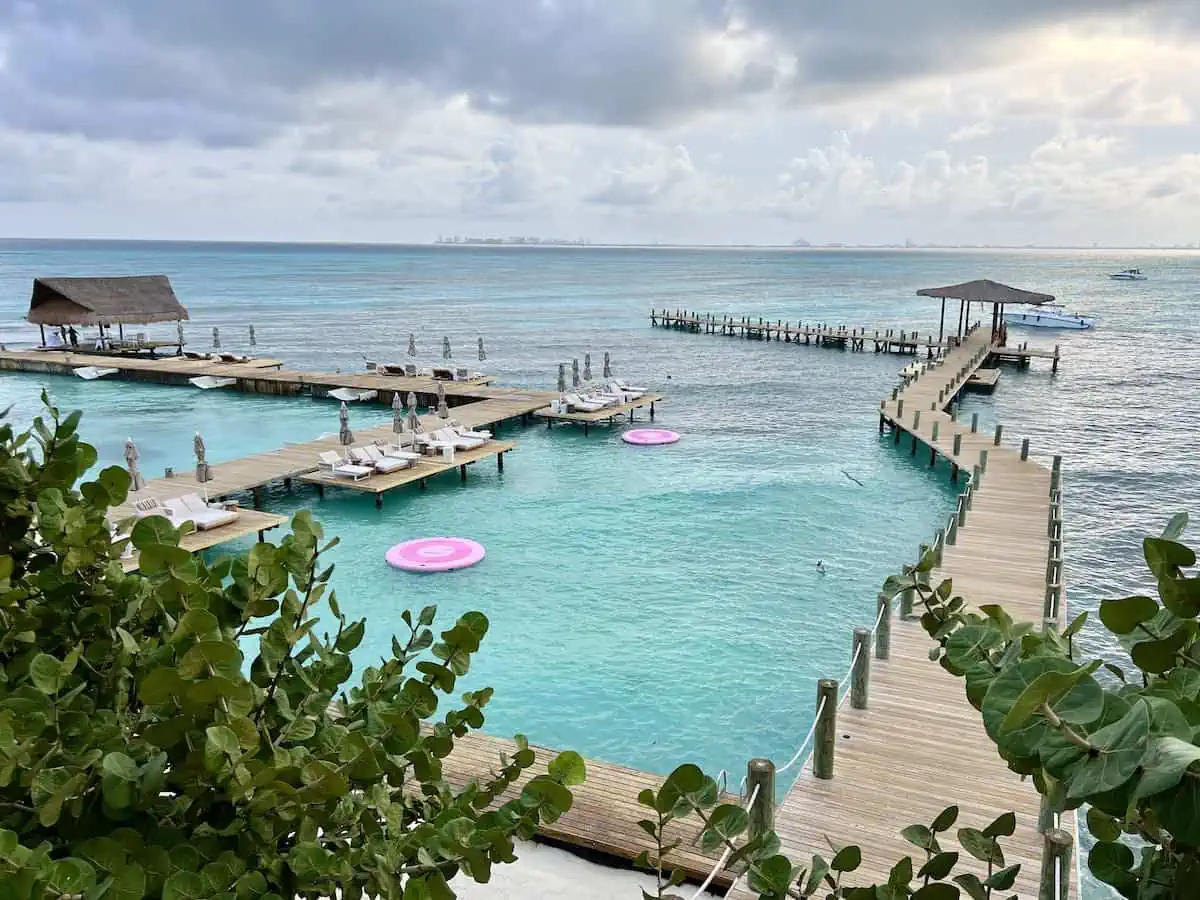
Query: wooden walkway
x,y
880,340
920,746
248,522
605,812
600,416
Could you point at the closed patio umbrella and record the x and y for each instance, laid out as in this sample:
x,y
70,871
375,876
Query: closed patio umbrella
x,y
345,435
574,373
412,345
413,422
445,348
587,367
482,352
607,366
136,481
179,333
562,378
397,413
443,409
203,469
411,400
216,338
253,338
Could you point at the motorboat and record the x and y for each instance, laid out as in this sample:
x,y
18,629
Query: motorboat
x,y
208,382
350,395
1048,317
91,373
1128,275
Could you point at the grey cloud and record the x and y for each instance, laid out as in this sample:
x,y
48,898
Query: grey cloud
x,y
228,72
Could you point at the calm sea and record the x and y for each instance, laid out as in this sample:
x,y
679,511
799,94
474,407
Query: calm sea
x,y
655,606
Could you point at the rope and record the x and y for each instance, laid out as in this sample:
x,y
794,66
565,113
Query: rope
x,y
811,732
724,856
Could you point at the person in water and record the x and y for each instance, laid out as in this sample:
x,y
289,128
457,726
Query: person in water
x,y
820,567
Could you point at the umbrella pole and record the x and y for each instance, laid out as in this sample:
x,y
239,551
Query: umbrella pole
x,y
942,321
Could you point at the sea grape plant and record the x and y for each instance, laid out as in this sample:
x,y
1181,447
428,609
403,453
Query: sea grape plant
x,y
689,795
196,730
1118,736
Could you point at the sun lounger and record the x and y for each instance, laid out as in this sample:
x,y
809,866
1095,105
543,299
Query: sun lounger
x,y
372,457
398,452
339,466
619,388
206,516
448,437
464,431
442,374
628,388
576,403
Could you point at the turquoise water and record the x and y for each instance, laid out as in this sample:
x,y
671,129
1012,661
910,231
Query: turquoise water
x,y
654,605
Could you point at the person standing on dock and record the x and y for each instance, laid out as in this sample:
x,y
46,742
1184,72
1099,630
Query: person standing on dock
x,y
74,337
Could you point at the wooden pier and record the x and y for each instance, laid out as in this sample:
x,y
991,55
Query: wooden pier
x,y
600,416
900,341
380,483
248,522
919,746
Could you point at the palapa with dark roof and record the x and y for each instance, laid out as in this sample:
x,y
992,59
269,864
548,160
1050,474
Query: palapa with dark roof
x,y
987,291
125,300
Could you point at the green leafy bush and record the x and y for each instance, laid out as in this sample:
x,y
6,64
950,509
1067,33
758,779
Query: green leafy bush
x,y
142,754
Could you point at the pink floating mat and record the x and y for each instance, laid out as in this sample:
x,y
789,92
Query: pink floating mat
x,y
435,554
649,436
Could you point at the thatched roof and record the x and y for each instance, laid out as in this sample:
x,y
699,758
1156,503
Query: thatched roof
x,y
987,291
128,300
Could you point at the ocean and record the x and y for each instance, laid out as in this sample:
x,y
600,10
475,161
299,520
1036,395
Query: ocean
x,y
651,606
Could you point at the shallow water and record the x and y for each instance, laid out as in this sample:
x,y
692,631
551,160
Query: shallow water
x,y
656,605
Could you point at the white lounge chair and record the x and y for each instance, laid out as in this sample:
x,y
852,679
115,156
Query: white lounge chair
x,y
448,437
463,431
150,506
206,516
339,466
619,388
575,402
628,388
373,457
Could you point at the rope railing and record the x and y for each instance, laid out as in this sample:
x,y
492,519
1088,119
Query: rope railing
x,y
724,856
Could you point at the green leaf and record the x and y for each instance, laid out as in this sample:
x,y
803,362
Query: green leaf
x,y
980,846
1164,556
1112,863
72,876
351,636
1117,752
945,819
184,886
121,766
772,875
1047,688
1161,655
939,866
211,658
726,823
1003,826
1082,704
918,835
153,530
936,892
1164,764
1175,527
199,622
1102,826
901,874
1124,615
568,768
847,859
1076,625
816,874
47,674
972,885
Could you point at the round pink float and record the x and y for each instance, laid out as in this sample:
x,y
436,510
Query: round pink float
x,y
435,554
646,437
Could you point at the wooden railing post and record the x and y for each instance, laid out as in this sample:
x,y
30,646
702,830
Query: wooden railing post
x,y
974,423
760,773
957,443
983,458
1056,865
952,530
1024,449
900,408
860,671
1055,473
999,432
939,545
883,631
826,734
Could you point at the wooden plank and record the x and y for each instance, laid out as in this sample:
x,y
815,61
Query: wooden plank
x,y
427,467
249,521
601,415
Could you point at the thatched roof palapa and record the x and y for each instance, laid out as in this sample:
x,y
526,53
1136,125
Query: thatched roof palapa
x,y
987,291
126,300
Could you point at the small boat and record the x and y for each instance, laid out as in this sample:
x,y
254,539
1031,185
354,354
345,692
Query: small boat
x,y
1128,275
1048,317
91,373
208,382
350,395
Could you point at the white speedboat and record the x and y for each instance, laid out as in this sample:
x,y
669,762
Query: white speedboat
x,y
1128,275
1048,317
208,382
91,373
350,395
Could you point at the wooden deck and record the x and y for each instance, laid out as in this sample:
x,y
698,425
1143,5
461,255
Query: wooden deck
x,y
601,416
380,483
605,812
248,522
984,381
919,746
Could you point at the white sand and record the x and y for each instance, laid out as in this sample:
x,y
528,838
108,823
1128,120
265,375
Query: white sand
x,y
547,873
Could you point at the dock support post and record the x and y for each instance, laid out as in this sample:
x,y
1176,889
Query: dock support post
x,y
826,733
939,545
1054,365
900,408
1056,865
974,423
499,462
936,429
462,473
760,773
916,421
883,631
379,500
1024,449
1055,473
258,498
983,458
952,531
321,491
963,507
860,677
958,444
651,410
999,433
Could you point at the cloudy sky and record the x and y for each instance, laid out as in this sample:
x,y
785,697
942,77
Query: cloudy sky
x,y
1003,121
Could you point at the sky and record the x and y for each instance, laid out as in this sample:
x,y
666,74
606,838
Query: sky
x,y
686,121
